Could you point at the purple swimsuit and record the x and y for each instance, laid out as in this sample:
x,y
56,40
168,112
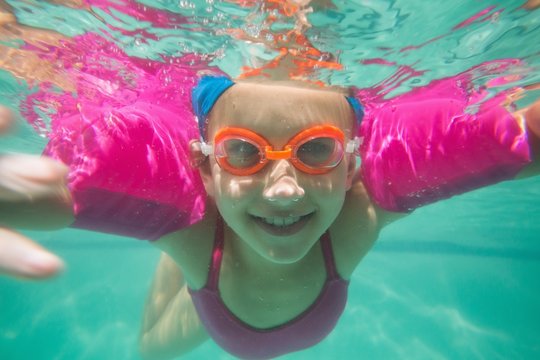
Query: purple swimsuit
x,y
245,341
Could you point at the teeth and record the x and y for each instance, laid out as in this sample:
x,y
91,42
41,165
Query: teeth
x,y
281,221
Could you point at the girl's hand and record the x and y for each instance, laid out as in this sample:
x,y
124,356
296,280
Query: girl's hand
x,y
532,117
24,179
21,257
531,4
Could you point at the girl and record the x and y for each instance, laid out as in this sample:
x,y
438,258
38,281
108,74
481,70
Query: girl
x,y
287,217
266,270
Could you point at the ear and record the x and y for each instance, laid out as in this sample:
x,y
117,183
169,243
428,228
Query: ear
x,y
351,171
200,161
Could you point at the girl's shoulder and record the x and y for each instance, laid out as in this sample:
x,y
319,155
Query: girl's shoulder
x,y
356,228
191,248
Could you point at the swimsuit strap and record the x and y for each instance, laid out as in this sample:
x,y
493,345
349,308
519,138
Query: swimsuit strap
x,y
217,255
328,254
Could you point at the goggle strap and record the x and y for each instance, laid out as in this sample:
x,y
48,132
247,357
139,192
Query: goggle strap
x,y
353,145
206,149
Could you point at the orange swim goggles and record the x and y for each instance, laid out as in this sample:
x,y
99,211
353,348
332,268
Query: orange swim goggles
x,y
316,150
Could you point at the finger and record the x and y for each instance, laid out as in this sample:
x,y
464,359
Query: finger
x,y
24,177
532,115
21,257
6,18
6,119
532,4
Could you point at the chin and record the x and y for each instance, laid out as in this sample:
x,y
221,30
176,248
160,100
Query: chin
x,y
284,255
288,250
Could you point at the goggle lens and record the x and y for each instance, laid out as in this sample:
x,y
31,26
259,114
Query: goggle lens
x,y
239,153
320,152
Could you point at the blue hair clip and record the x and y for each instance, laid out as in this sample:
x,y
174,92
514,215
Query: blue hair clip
x,y
205,94
357,108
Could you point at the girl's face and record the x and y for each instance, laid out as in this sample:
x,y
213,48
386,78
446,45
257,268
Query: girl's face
x,y
279,212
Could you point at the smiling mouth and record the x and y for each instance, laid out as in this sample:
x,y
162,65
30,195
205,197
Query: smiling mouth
x,y
281,221
282,225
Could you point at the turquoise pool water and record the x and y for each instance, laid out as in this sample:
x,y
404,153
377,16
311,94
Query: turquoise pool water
x,y
456,280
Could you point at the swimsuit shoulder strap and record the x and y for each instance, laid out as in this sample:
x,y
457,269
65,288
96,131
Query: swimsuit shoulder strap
x,y
217,255
328,254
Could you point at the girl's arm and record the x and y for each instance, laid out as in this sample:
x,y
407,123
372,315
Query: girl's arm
x,y
425,146
170,326
528,117
531,117
33,195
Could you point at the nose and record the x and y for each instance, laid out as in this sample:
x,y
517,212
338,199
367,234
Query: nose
x,y
282,186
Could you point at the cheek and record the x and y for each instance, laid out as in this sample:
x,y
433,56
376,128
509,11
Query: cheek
x,y
229,188
328,185
328,192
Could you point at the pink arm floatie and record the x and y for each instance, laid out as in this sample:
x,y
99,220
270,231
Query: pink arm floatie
x,y
130,172
125,139
423,146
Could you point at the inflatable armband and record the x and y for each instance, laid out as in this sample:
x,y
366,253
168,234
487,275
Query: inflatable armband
x,y
424,146
124,135
130,172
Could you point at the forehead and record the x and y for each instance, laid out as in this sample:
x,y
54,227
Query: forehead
x,y
270,109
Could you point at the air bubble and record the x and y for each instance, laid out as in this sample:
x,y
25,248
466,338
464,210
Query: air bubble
x,y
184,4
